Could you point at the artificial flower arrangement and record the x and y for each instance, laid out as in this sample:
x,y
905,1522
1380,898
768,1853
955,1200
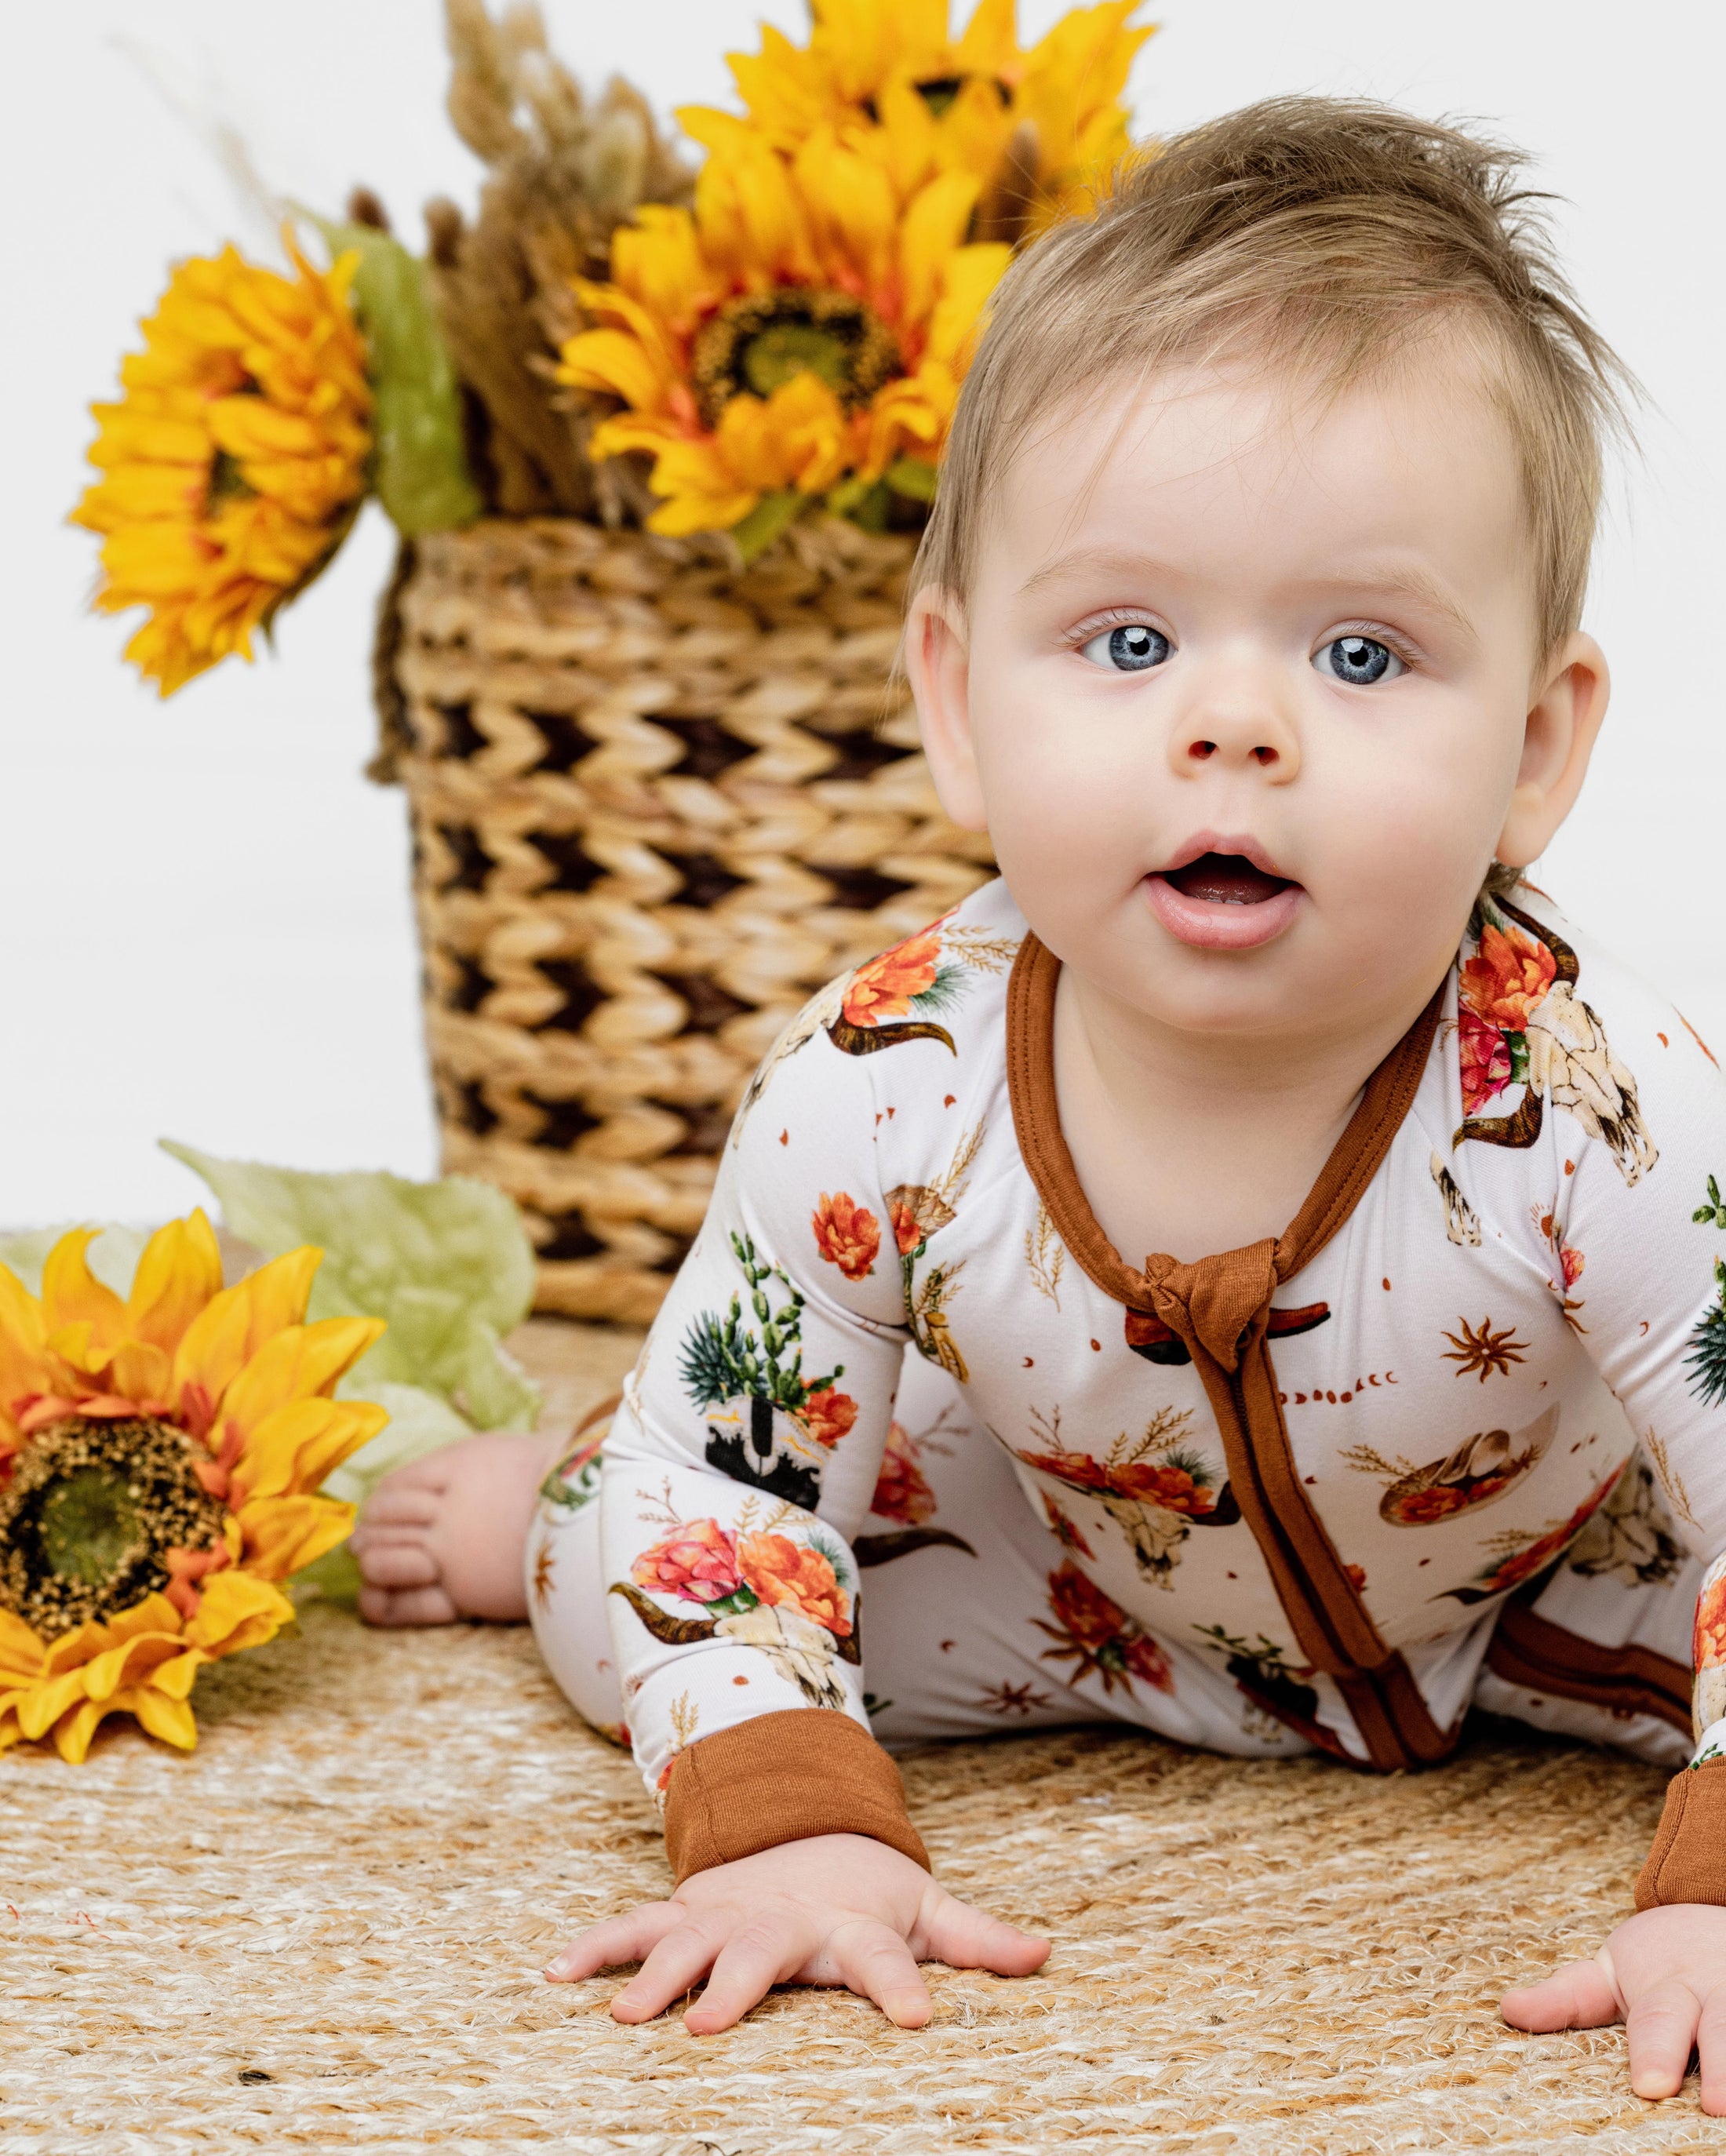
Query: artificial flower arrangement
x,y
175,1453
613,336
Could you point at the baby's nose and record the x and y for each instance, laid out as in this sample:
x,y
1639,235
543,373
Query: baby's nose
x,y
1262,752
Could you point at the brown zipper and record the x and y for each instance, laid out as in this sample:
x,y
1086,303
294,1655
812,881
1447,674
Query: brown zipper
x,y
1219,1307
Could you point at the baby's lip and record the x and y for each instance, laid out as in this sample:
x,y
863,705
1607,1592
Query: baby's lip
x,y
1241,845
1223,891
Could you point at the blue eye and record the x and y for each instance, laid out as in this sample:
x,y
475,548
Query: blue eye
x,y
1128,650
1359,660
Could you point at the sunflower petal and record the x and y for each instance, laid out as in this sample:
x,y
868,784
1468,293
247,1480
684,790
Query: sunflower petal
x,y
233,1324
72,1295
934,225
48,1700
169,1719
180,1271
26,1365
20,1649
123,1664
613,361
73,1729
303,1364
235,1611
296,1446
176,1678
140,1372
284,1535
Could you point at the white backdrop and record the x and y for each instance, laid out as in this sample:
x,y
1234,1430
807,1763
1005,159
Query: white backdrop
x,y
204,927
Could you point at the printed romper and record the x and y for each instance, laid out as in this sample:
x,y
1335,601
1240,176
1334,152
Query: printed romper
x,y
911,1451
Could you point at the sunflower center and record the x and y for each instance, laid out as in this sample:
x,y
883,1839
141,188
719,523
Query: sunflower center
x,y
760,342
89,1515
89,1526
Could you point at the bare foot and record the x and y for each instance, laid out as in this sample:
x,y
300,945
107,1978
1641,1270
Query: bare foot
x,y
444,1538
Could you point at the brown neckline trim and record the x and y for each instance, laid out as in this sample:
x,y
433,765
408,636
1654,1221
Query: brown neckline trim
x,y
1353,1162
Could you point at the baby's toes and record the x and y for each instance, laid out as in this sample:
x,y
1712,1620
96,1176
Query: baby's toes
x,y
411,1606
395,1504
394,1560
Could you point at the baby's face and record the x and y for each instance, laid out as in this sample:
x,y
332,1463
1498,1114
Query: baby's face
x,y
1242,692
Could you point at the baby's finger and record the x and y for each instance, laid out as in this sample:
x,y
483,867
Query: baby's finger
x,y
964,1937
1711,2043
632,1937
1580,1996
876,1963
676,1965
750,1963
1661,2028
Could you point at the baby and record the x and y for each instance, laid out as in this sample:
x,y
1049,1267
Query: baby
x,y
1247,624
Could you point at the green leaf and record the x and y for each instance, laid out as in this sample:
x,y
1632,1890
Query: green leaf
x,y
421,471
447,1266
113,1257
773,516
912,477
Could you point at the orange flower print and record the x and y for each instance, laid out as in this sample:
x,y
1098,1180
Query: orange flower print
x,y
847,1235
828,1415
916,1210
1507,978
902,1492
1485,1059
1422,1507
1097,1636
1708,1651
697,1561
785,1573
1079,1471
1173,1488
884,987
1139,1481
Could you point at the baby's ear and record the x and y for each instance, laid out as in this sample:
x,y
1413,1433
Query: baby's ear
x,y
938,665
1562,725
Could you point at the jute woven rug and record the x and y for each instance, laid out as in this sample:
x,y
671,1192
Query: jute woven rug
x,y
324,1930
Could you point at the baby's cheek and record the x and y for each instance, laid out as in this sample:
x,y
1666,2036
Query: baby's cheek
x,y
1065,833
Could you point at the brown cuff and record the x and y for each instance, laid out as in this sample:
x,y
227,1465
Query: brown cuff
x,y
1688,1862
783,1777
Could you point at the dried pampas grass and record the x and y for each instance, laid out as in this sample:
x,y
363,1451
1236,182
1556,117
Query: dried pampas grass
x,y
564,172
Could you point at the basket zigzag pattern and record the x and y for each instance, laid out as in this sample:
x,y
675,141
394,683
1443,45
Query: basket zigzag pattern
x,y
655,804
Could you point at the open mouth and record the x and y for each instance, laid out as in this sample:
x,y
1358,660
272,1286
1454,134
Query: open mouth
x,y
1224,880
1225,895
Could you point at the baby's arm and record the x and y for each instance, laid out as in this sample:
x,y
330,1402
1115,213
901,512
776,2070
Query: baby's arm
x,y
744,1459
1651,1308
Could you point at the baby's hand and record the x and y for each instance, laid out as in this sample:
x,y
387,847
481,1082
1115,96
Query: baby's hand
x,y
1663,1974
838,1908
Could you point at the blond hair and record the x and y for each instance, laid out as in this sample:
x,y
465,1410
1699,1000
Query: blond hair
x,y
1330,237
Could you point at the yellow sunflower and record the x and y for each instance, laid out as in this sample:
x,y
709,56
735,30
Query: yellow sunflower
x,y
160,1459
802,332
235,460
896,87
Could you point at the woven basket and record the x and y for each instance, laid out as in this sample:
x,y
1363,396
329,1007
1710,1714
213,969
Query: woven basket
x,y
656,800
